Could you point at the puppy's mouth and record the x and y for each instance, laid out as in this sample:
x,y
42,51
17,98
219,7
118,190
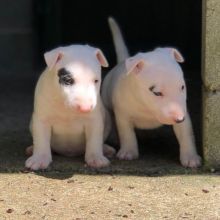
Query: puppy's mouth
x,y
83,111
166,121
171,121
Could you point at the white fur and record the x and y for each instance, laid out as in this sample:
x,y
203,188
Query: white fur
x,y
126,91
69,119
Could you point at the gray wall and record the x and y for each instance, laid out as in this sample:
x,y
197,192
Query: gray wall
x,y
17,36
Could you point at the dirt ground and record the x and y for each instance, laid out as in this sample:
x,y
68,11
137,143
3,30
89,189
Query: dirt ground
x,y
64,195
153,187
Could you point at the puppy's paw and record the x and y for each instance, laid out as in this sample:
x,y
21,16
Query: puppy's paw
x,y
192,161
97,161
109,151
125,154
36,162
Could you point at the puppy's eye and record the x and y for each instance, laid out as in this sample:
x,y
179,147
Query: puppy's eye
x,y
96,81
67,80
151,88
65,77
158,93
155,93
183,87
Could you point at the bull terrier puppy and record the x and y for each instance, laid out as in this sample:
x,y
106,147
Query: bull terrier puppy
x,y
68,116
146,91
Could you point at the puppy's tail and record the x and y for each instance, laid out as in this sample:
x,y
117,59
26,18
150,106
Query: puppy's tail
x,y
120,47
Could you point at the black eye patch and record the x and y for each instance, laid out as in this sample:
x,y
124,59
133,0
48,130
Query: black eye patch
x,y
65,77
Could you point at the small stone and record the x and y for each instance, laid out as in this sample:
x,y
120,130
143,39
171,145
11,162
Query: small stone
x,y
205,191
110,188
10,210
27,212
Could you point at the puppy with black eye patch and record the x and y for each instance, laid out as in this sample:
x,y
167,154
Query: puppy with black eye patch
x,y
68,116
147,91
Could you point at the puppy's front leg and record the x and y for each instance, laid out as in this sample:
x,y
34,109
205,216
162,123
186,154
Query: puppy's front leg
x,y
128,141
94,144
185,137
41,157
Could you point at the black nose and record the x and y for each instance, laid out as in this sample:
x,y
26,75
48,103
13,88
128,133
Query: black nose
x,y
180,120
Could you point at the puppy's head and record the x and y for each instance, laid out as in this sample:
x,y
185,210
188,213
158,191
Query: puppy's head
x,y
160,83
77,74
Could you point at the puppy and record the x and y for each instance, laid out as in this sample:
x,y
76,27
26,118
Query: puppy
x,y
68,114
146,91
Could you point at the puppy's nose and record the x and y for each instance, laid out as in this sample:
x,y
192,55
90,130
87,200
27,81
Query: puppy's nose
x,y
179,120
84,108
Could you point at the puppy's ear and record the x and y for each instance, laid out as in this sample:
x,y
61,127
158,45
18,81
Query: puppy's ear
x,y
176,55
52,57
134,65
101,58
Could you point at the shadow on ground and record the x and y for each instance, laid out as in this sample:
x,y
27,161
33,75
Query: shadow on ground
x,y
158,148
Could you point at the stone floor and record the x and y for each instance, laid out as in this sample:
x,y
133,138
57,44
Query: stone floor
x,y
153,187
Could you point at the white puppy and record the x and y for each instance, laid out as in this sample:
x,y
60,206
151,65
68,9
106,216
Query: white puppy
x,y
68,113
146,91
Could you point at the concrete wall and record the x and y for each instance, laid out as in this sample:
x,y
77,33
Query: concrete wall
x,y
16,36
211,81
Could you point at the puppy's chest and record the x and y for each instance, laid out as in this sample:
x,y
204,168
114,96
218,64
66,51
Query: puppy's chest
x,y
68,125
145,121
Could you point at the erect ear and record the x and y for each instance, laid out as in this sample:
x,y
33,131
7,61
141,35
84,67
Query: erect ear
x,y
101,58
134,64
176,55
52,57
